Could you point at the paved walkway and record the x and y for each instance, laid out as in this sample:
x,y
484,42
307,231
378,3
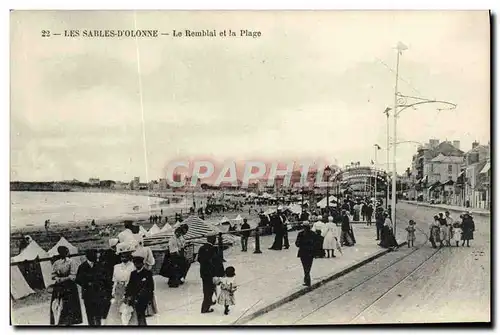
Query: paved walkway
x,y
478,211
262,278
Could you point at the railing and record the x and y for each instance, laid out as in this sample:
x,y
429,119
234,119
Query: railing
x,y
220,244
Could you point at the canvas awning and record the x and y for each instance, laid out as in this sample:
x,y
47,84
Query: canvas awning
x,y
486,168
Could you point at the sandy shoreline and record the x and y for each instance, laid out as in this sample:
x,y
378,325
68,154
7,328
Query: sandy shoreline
x,y
80,235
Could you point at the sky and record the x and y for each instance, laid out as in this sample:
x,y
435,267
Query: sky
x,y
314,84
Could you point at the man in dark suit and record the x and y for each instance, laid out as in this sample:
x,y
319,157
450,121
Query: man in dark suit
x,y
140,289
210,266
245,235
91,277
306,241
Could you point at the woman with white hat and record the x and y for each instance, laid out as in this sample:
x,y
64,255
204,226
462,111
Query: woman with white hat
x,y
330,234
121,276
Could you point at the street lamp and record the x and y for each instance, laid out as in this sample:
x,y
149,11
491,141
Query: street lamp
x,y
328,173
377,148
302,203
401,101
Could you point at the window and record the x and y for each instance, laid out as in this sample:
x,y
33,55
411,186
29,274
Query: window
x,y
430,168
450,169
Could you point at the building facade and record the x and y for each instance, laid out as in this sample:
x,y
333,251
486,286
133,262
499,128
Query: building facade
x,y
435,169
474,186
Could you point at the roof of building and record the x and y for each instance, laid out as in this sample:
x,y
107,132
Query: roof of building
x,y
479,148
447,159
444,148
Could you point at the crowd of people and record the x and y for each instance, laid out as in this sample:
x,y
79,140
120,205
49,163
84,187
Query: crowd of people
x,y
117,284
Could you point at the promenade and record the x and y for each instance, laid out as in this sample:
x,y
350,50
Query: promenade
x,y
477,211
265,281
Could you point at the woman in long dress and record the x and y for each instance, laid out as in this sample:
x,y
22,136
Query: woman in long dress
x,y
318,228
184,244
173,266
388,240
149,261
444,231
434,237
468,228
121,276
330,234
65,308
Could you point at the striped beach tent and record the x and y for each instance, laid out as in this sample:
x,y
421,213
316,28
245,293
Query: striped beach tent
x,y
197,228
37,275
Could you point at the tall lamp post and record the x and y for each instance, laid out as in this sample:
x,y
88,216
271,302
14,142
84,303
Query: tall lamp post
x,y
400,101
328,173
302,202
386,112
400,48
377,148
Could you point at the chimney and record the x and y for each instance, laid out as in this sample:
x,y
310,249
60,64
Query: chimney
x,y
456,144
433,143
475,144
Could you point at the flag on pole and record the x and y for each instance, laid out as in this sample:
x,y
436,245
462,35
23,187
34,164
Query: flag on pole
x,y
377,146
373,162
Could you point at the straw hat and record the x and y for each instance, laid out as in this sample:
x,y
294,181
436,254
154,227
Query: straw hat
x,y
113,241
124,247
330,219
319,217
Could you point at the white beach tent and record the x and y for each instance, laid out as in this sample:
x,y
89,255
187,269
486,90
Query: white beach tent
x,y
167,228
238,218
62,243
143,231
153,230
19,288
31,252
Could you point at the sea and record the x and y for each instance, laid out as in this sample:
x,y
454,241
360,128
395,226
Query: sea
x,y
31,209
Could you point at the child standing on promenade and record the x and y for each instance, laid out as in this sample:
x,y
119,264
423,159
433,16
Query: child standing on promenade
x,y
411,233
227,289
457,233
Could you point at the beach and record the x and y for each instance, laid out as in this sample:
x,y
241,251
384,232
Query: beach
x,y
79,233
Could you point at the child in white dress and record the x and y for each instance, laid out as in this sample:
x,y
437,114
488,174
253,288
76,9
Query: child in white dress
x,y
227,289
457,233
